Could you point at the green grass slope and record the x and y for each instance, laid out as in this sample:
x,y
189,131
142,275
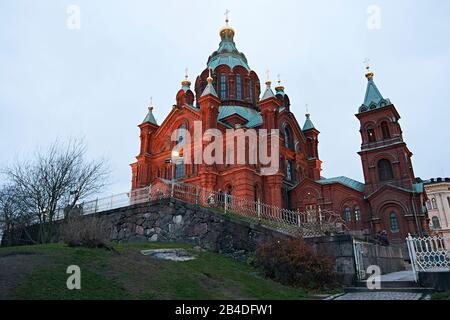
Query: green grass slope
x,y
125,273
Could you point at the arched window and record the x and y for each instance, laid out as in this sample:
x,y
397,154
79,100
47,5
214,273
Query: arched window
x,y
181,134
348,215
394,223
287,137
371,135
434,203
385,172
250,91
429,205
436,223
290,171
179,169
238,87
385,130
357,213
223,86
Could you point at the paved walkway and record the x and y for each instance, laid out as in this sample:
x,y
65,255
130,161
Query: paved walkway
x,y
403,276
398,276
380,296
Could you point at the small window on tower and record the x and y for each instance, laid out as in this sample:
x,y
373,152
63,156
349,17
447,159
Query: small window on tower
x,y
371,135
250,91
238,87
385,170
385,130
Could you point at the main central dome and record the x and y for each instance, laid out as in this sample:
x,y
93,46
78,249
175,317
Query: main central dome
x,y
227,54
233,80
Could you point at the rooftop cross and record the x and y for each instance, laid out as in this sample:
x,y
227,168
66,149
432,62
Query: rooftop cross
x,y
367,63
279,78
268,74
227,18
369,73
150,105
186,75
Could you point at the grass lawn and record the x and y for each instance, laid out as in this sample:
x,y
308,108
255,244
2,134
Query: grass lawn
x,y
441,296
126,274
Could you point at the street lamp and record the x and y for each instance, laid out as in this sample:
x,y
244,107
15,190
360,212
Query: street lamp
x,y
175,157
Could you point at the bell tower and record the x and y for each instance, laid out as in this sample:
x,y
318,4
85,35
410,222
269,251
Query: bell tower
x,y
385,156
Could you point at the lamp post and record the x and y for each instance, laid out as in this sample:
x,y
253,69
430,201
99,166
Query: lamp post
x,y
175,157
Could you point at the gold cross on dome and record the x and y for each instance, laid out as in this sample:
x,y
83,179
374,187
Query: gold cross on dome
x,y
227,18
279,78
150,105
367,63
186,71
268,74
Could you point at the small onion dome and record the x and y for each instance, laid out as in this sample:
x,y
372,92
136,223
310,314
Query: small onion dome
x,y
279,88
369,73
227,31
186,84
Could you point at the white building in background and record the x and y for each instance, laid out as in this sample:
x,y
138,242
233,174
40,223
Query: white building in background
x,y
438,205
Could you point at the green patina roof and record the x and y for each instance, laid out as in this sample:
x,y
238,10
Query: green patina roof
x,y
209,89
227,54
418,187
356,185
268,93
150,118
253,117
308,123
373,98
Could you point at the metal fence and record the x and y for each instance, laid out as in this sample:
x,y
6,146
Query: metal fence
x,y
303,224
429,254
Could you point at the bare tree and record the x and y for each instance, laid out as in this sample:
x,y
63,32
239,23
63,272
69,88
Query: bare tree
x,y
12,217
56,178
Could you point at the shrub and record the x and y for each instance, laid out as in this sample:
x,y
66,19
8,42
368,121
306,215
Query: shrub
x,y
80,231
294,263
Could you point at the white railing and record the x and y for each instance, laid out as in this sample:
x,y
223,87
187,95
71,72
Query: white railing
x,y
138,196
429,254
303,224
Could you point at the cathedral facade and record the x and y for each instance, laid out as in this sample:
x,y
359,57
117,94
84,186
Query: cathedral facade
x,y
228,95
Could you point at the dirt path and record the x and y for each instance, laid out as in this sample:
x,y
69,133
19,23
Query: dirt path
x,y
14,267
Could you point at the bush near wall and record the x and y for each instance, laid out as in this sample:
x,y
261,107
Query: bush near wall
x,y
295,263
81,231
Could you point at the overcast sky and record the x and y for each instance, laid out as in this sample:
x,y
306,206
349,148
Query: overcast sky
x,y
96,82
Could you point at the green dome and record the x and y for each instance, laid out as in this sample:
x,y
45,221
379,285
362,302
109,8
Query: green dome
x,y
227,54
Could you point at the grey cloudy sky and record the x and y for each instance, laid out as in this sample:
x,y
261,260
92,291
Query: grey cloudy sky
x,y
96,82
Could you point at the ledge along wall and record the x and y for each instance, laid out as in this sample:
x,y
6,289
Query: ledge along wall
x,y
173,220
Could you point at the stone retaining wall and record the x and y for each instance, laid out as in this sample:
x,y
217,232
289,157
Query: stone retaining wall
x,y
172,220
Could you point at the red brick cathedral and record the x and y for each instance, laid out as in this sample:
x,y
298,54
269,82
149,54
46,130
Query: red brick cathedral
x,y
227,95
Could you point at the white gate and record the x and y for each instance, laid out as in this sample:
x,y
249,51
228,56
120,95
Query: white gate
x,y
429,254
359,262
